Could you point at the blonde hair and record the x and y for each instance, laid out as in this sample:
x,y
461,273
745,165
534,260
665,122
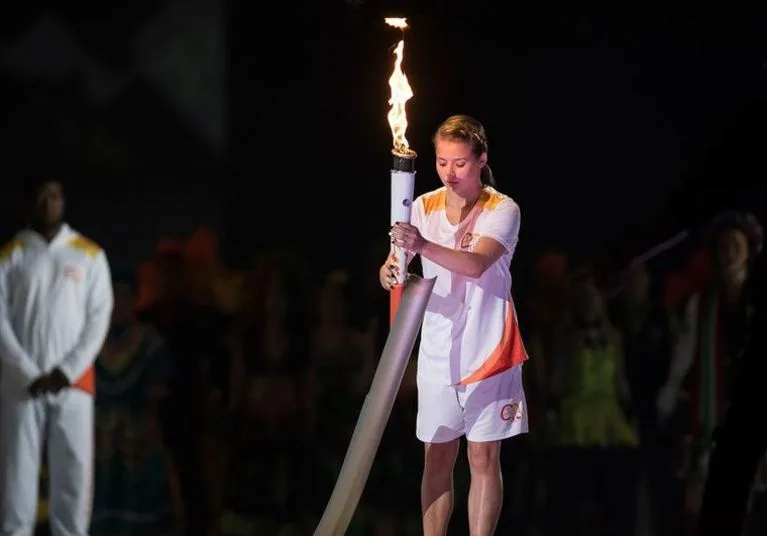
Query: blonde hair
x,y
470,131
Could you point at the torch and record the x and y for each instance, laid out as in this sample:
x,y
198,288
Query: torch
x,y
403,165
404,329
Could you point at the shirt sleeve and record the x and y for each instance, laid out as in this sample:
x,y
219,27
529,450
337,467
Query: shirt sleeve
x,y
98,316
11,352
502,224
417,214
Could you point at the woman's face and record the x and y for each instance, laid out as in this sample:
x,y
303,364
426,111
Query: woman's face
x,y
458,168
732,251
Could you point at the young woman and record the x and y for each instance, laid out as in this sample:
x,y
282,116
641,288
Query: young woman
x,y
471,353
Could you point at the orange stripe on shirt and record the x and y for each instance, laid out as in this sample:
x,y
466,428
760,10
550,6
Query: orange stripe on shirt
x,y
7,249
489,201
509,353
85,245
433,202
87,382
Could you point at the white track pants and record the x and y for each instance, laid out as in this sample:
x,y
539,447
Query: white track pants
x,y
65,422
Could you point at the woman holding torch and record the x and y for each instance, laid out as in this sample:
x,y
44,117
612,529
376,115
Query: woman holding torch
x,y
471,352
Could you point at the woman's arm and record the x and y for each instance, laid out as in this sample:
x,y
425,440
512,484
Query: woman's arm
x,y
465,263
498,234
682,359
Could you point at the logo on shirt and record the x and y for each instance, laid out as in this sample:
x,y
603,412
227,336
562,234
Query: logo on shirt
x,y
511,411
466,240
73,274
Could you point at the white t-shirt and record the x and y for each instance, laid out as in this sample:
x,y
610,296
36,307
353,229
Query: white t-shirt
x,y
470,330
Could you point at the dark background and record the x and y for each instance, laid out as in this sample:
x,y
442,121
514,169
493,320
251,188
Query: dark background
x,y
269,124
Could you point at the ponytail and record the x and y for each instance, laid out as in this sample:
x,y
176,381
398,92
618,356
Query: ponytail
x,y
486,176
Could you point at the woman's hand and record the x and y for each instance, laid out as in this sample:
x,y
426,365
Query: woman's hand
x,y
387,275
407,237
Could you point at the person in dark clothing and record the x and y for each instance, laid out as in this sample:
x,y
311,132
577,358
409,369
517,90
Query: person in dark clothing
x,y
741,439
194,335
647,336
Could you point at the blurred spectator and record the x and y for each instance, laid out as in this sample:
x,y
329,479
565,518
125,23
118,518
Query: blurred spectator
x,y
194,330
594,464
524,473
342,361
263,486
137,491
710,345
548,314
741,441
648,335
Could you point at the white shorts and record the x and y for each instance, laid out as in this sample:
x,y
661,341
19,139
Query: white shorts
x,y
487,410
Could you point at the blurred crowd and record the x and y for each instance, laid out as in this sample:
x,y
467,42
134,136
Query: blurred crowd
x,y
226,398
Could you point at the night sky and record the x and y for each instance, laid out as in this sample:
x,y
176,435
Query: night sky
x,y
594,121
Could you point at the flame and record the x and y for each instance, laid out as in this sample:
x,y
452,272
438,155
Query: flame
x,y
400,94
397,23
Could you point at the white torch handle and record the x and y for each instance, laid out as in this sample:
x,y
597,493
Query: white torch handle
x,y
401,256
402,188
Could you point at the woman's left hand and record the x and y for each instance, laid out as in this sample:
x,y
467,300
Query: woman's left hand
x,y
408,237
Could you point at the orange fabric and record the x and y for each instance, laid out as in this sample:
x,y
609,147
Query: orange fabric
x,y
88,247
87,382
677,288
202,247
167,245
147,285
7,249
434,202
395,297
700,270
509,353
437,201
489,201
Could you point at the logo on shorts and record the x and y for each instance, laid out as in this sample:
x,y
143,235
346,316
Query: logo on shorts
x,y
466,240
510,412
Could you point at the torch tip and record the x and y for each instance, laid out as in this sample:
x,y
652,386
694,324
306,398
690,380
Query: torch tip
x,y
404,152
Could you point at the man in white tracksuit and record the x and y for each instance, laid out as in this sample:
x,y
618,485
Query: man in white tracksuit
x,y
55,309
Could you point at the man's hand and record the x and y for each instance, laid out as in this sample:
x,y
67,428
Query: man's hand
x,y
49,383
40,386
58,381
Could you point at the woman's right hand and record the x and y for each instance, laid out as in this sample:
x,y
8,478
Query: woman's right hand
x,y
387,275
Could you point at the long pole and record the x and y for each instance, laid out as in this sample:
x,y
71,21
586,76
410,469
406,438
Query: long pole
x,y
376,408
